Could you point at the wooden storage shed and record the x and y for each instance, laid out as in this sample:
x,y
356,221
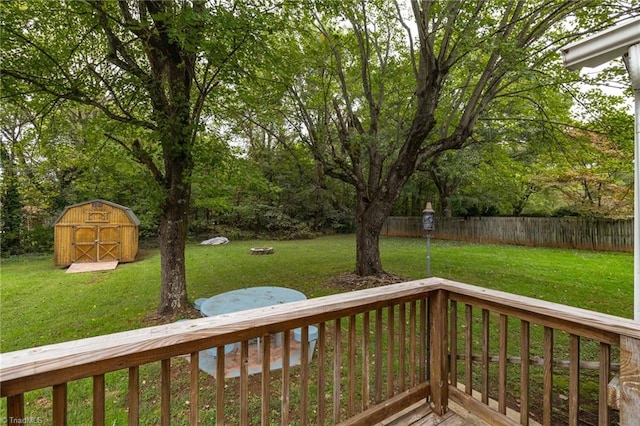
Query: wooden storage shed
x,y
95,231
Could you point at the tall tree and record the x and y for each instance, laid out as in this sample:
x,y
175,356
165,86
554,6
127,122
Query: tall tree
x,y
11,129
373,105
149,68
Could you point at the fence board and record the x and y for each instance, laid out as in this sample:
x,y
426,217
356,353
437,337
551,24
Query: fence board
x,y
560,232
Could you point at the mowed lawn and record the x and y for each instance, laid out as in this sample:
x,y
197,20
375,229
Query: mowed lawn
x,y
41,304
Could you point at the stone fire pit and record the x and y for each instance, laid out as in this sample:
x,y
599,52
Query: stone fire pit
x,y
261,250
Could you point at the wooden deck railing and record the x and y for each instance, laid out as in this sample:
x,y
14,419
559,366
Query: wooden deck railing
x,y
545,355
371,360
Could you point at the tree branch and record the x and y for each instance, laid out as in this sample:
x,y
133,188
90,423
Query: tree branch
x,y
141,156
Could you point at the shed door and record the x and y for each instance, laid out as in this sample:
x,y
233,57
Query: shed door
x,y
96,243
108,243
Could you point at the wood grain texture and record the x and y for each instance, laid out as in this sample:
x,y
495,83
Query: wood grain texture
x,y
304,375
484,377
60,405
453,343
15,408
113,227
133,398
438,303
351,409
98,400
525,342
390,406
366,360
603,385
220,388
574,379
502,365
165,392
322,344
194,387
478,409
547,379
629,381
266,379
286,377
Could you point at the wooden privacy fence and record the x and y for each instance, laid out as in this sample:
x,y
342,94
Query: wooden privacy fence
x,y
561,232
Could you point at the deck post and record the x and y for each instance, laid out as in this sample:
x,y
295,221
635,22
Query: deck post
x,y
629,380
438,380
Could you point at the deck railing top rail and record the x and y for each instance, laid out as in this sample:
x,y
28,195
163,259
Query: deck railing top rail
x,y
395,344
604,327
33,368
28,369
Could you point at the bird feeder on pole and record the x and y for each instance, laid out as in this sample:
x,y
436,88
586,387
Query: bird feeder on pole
x,y
428,226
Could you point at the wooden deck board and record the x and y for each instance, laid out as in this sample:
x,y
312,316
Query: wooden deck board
x,y
419,414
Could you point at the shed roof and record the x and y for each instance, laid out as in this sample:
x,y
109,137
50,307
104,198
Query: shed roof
x,y
134,219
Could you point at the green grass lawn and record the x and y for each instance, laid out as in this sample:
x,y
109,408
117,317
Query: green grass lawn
x,y
41,304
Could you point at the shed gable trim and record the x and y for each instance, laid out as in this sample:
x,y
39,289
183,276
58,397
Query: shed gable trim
x,y
134,219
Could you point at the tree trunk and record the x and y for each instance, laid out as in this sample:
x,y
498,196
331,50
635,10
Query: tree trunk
x,y
174,220
173,235
370,220
368,251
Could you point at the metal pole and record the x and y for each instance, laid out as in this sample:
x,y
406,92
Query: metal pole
x,y
633,65
428,254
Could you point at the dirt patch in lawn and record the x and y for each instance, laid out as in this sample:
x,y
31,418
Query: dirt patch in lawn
x,y
357,282
188,312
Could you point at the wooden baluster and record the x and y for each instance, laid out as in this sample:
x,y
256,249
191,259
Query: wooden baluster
x,y
378,359
337,363
134,396
366,335
266,379
412,343
605,373
244,383
322,344
453,345
502,365
194,388
629,380
468,351
165,392
60,404
220,377
547,385
15,408
424,341
524,372
304,375
428,339
352,366
484,381
402,346
390,350
286,354
574,379
98,400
